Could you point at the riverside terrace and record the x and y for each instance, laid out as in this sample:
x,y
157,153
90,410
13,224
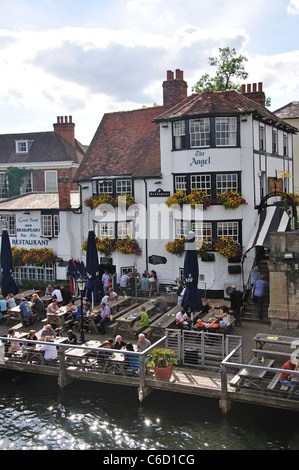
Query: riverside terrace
x,y
204,370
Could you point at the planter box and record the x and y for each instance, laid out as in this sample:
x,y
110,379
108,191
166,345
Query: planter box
x,y
234,260
208,257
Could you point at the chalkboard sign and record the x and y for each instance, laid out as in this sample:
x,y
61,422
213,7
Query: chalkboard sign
x,y
156,259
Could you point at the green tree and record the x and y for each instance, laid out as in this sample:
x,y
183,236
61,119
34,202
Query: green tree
x,y
15,179
229,67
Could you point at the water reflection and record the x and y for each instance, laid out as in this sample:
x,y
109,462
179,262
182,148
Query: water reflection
x,y
35,414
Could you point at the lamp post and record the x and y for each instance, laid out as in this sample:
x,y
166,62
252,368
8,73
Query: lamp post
x,y
81,282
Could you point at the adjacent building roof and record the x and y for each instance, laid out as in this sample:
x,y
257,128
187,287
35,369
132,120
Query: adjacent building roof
x,y
289,111
38,201
126,143
44,147
221,103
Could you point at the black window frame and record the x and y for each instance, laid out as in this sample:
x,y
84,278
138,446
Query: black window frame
x,y
213,180
212,119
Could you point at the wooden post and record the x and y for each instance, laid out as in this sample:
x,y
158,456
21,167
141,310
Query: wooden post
x,y
143,391
63,380
224,403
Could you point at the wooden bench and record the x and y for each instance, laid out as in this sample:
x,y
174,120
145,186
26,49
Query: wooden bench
x,y
151,320
274,382
266,352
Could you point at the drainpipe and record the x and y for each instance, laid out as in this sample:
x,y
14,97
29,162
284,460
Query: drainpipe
x,y
146,241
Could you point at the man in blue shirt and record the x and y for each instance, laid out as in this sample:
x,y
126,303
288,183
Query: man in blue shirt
x,y
258,292
26,311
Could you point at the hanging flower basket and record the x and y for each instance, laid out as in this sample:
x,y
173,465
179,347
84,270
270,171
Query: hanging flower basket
x,y
230,199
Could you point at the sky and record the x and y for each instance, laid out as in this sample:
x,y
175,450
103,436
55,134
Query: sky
x,y
84,59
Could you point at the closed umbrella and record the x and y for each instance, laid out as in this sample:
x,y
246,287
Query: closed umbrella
x,y
8,284
92,268
192,297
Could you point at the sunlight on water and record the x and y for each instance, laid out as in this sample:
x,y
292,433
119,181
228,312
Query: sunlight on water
x,y
37,415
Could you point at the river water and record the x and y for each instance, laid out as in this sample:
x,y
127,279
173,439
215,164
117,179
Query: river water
x,y
36,415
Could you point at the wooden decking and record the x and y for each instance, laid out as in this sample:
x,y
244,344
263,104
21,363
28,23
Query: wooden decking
x,y
185,380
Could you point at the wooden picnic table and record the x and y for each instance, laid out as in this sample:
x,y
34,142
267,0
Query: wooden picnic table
x,y
133,315
251,374
115,304
165,321
262,339
58,317
26,294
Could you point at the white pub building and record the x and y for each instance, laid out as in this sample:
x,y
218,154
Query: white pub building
x,y
224,150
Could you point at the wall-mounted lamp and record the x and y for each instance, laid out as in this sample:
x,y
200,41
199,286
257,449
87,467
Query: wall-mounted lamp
x,y
158,182
165,124
26,213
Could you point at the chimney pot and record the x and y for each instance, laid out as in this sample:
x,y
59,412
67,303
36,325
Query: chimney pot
x,y
70,119
179,74
254,87
243,88
169,75
249,88
260,86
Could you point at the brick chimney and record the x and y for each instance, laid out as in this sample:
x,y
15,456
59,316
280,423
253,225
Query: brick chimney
x,y
64,192
65,128
174,89
255,94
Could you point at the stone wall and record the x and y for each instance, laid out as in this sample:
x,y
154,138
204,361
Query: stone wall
x,y
284,280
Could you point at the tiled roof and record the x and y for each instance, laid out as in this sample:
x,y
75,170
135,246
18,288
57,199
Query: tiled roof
x,y
289,111
125,143
46,147
37,201
220,103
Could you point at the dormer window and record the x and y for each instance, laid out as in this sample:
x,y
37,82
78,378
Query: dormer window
x,y
23,146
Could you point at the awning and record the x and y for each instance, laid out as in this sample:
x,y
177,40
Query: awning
x,y
271,219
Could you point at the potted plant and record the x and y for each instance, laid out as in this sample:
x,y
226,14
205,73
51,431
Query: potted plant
x,y
162,361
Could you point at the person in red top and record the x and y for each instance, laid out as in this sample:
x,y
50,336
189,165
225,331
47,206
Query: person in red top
x,y
285,377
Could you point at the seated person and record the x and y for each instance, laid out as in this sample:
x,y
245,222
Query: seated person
x,y
110,295
71,337
50,350
286,377
10,301
103,356
38,306
208,308
71,310
14,346
3,306
26,312
223,316
182,320
160,303
131,360
47,331
86,311
144,320
53,307
66,295
119,344
31,335
103,317
49,290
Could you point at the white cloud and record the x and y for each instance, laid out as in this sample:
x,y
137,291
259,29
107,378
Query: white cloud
x,y
293,7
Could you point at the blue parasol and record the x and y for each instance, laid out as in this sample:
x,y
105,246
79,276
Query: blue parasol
x,y
92,268
192,297
8,284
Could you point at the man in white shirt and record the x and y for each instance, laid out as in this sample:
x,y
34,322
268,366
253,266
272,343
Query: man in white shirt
x,y
105,278
57,294
182,319
110,295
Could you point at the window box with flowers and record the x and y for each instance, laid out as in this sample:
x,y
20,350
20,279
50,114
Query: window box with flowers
x,y
229,248
104,198
196,197
204,251
177,247
230,199
35,257
108,245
